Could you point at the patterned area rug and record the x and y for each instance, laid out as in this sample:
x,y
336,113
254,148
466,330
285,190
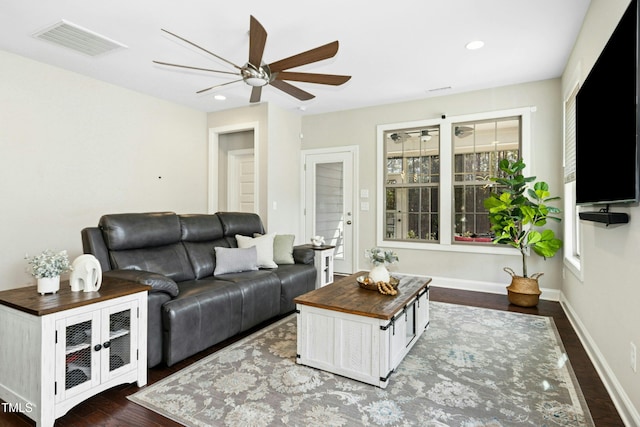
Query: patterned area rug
x,y
473,367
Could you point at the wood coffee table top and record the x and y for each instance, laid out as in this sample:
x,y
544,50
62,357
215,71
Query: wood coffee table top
x,y
347,296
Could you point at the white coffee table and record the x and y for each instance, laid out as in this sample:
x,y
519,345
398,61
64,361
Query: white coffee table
x,y
358,333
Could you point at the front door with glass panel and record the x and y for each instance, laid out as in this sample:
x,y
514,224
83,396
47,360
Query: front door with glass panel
x,y
329,204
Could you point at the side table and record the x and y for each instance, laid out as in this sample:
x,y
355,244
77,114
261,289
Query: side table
x,y
58,350
323,261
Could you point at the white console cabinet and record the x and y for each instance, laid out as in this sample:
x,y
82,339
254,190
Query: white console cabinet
x,y
58,350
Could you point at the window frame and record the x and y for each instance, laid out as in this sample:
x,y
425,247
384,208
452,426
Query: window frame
x,y
446,225
572,227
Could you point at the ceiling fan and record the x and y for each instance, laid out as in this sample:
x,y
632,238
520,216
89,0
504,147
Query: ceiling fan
x,y
258,74
463,131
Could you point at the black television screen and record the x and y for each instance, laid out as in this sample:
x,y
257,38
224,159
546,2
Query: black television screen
x,y
607,120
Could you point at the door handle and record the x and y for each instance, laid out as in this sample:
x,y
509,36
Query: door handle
x,y
348,222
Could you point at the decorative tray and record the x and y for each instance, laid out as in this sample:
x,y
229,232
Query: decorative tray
x,y
366,283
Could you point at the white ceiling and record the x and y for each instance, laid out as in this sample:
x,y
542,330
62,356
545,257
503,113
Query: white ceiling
x,y
395,50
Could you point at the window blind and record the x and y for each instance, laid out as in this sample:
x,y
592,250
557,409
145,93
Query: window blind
x,y
570,137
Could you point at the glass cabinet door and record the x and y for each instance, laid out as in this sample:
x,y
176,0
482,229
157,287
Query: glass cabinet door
x,y
119,339
77,354
119,353
75,361
95,347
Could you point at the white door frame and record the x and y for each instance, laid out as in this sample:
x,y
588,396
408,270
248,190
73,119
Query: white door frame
x,y
354,151
214,146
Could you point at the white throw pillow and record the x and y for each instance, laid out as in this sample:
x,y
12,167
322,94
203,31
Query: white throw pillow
x,y
264,245
282,248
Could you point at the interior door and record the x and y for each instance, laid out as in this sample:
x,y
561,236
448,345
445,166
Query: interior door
x,y
329,211
241,181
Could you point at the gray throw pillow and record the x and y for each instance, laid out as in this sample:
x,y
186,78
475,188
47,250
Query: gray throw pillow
x,y
235,260
283,249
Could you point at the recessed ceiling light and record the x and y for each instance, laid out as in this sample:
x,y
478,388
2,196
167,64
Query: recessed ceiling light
x,y
220,97
476,44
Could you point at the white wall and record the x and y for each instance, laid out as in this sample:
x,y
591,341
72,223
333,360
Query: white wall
x,y
278,155
358,127
605,303
74,148
284,192
237,118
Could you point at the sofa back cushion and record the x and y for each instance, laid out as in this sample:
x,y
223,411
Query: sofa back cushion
x,y
246,224
201,234
146,241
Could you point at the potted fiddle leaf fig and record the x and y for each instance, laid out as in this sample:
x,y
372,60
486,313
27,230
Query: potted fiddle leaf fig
x,y
518,213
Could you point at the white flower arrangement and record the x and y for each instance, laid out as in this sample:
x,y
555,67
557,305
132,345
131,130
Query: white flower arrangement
x,y
48,264
379,256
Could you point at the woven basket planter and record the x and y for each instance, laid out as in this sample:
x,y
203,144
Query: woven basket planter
x,y
523,291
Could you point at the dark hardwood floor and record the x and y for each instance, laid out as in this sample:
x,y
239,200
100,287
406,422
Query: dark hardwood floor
x,y
112,408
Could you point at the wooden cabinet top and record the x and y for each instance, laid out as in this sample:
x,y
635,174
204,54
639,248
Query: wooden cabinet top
x,y
346,295
28,299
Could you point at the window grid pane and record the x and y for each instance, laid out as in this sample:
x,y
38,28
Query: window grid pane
x,y
478,149
412,181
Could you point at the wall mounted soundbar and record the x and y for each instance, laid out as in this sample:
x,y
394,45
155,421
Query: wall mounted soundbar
x,y
605,217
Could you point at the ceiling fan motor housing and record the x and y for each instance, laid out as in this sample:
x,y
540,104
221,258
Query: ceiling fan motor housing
x,y
256,76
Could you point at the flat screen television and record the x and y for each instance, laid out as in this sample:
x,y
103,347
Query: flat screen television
x,y
607,155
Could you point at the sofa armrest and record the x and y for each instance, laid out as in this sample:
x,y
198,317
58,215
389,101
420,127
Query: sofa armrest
x,y
93,243
302,254
158,282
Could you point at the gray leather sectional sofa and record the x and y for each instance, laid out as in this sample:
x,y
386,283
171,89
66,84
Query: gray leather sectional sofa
x,y
189,307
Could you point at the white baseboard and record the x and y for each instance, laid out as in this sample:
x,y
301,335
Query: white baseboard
x,y
490,287
623,404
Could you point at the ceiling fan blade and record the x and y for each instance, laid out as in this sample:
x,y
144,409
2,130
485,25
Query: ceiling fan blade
x,y
326,51
195,68
257,40
201,48
292,90
256,92
323,79
222,84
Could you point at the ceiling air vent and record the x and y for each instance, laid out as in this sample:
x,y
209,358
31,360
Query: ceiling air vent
x,y
77,38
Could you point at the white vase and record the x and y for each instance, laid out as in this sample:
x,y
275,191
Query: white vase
x,y
48,285
379,273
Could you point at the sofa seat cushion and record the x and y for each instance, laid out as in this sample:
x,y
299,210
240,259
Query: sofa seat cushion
x,y
260,295
295,280
204,313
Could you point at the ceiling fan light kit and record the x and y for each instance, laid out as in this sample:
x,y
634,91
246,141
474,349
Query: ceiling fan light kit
x,y
275,73
256,76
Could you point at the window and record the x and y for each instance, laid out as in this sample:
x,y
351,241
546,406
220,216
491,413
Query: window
x,y
478,148
412,183
433,178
